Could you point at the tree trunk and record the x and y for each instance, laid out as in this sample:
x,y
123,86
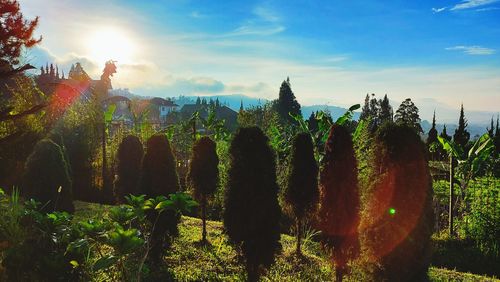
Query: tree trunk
x,y
203,218
299,235
339,273
450,210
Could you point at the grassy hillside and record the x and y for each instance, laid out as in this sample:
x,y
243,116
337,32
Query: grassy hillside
x,y
189,261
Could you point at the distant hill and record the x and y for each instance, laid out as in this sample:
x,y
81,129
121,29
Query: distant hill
x,y
475,130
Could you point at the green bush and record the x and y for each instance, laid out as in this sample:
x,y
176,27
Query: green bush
x,y
159,178
129,155
397,219
203,175
302,191
47,179
338,216
252,212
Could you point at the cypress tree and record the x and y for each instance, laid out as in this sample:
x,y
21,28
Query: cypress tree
x,y
397,218
312,123
491,130
496,139
47,179
432,135
461,136
385,113
302,185
252,213
287,102
203,175
338,214
365,111
444,134
159,178
129,156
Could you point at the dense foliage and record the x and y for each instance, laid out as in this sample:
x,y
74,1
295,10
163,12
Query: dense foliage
x,y
397,221
203,175
338,216
302,184
159,178
128,170
252,212
47,179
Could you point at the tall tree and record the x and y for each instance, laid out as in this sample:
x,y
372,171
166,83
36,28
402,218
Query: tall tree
x,y
252,213
203,175
407,114
432,135
496,139
491,130
287,102
302,186
159,178
312,123
385,112
339,203
365,111
16,32
444,134
461,136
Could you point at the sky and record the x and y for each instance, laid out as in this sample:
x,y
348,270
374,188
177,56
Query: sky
x,y
439,53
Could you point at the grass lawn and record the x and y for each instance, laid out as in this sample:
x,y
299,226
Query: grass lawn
x,y
189,261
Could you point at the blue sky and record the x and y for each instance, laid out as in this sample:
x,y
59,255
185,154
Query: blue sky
x,y
439,53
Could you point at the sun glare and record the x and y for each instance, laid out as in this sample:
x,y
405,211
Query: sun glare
x,y
110,44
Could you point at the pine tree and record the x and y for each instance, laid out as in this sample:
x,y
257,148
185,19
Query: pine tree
x,y
129,156
198,101
302,182
16,32
47,178
203,175
444,134
496,139
385,113
407,114
339,202
396,230
312,123
491,130
286,103
461,136
432,135
252,213
159,178
365,111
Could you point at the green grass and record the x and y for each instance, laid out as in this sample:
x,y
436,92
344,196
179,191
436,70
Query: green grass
x,y
188,260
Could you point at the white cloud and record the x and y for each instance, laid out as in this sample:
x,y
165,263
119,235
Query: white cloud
x,y
473,50
266,22
438,10
487,9
468,4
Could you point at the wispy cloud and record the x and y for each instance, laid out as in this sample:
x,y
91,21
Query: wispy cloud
x,y
487,9
438,10
265,22
472,50
468,4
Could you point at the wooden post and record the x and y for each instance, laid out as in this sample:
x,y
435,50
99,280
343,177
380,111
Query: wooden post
x,y
450,211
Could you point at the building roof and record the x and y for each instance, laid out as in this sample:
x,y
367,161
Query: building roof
x,y
162,102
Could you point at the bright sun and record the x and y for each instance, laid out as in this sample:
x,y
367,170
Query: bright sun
x,y
110,44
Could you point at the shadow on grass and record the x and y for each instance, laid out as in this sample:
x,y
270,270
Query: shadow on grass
x,y
464,256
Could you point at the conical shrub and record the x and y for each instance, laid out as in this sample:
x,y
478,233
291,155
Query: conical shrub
x,y
338,216
302,192
129,157
252,213
46,178
397,219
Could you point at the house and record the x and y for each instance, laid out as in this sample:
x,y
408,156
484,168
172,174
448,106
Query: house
x,y
162,107
122,111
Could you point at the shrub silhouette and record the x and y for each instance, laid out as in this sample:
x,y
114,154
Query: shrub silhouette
x,y
397,219
302,186
46,178
159,178
338,216
252,212
203,175
129,156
